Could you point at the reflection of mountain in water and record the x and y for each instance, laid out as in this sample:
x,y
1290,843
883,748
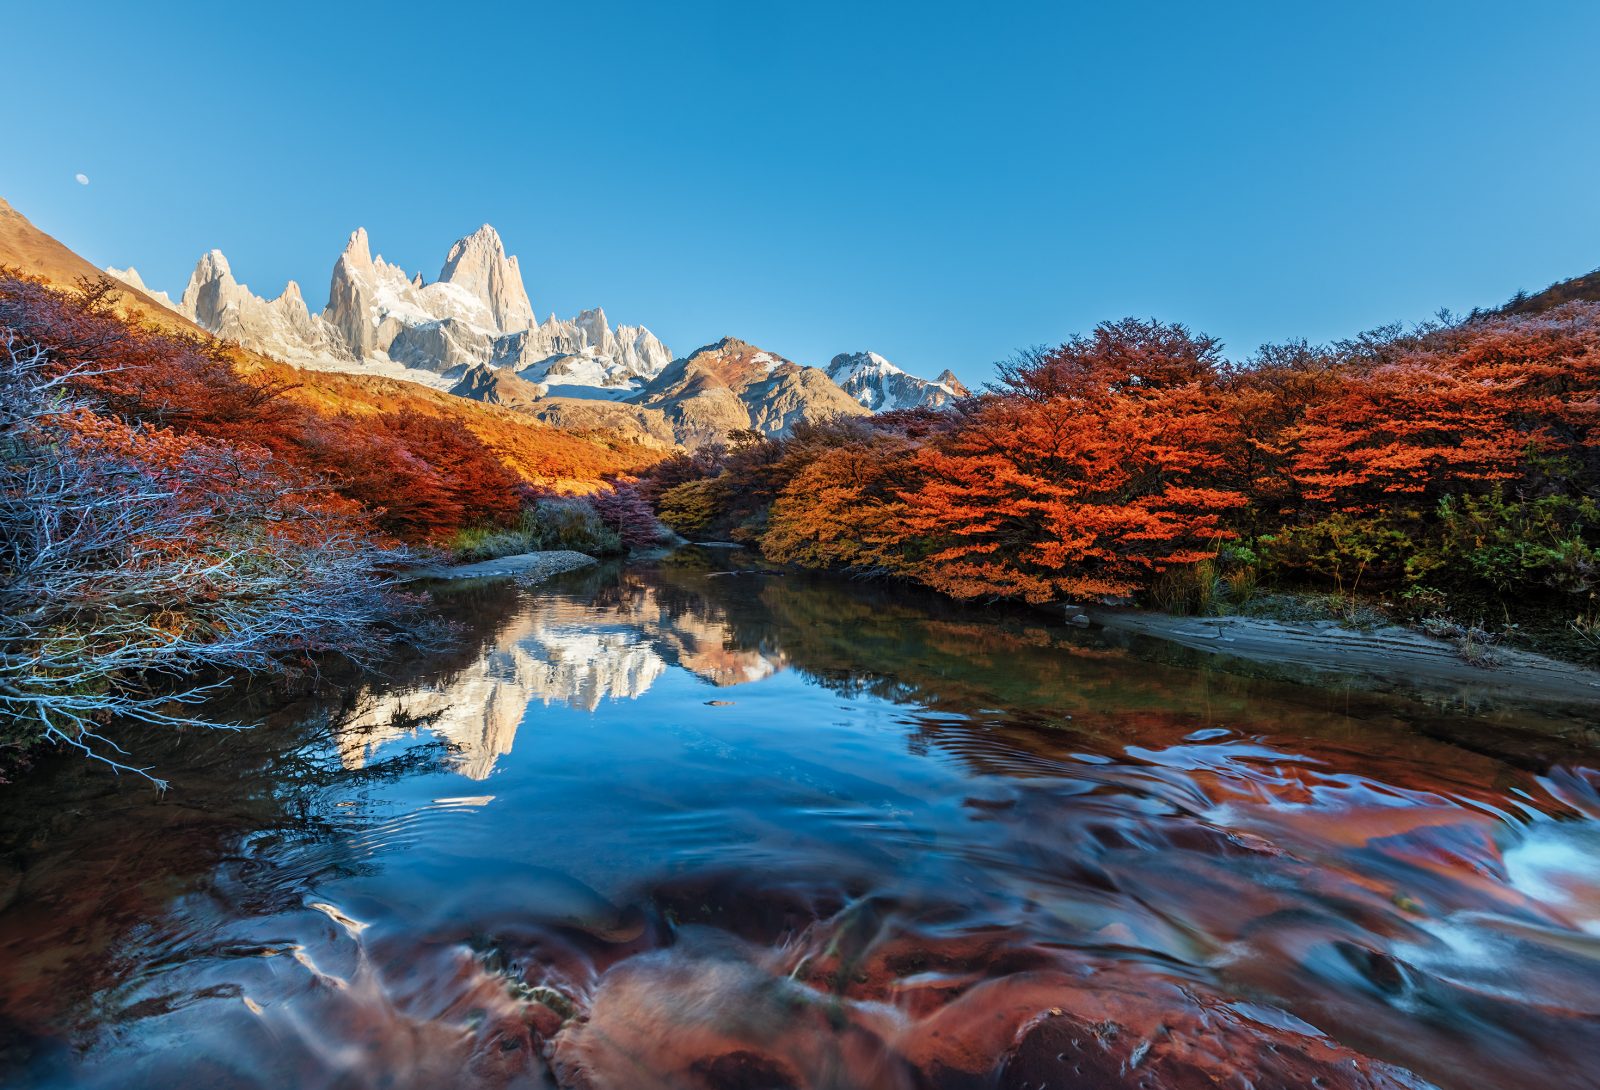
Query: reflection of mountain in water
x,y
555,650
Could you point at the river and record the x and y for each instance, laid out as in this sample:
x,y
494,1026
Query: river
x,y
685,824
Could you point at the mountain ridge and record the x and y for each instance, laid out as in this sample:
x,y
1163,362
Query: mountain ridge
x,y
476,319
534,452
382,320
882,387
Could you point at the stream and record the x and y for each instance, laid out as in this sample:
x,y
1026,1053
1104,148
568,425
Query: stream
x,y
683,824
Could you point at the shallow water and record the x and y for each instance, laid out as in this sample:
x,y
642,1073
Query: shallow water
x,y
671,826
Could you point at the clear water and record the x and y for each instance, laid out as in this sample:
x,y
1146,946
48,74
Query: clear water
x,y
672,826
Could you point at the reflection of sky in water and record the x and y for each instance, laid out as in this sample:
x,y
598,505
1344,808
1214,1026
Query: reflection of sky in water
x,y
1558,864
879,775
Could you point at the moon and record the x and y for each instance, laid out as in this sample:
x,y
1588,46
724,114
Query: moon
x,y
82,179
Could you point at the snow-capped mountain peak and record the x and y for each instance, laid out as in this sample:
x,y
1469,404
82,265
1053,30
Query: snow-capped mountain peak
x,y
881,386
859,362
479,265
473,331
381,318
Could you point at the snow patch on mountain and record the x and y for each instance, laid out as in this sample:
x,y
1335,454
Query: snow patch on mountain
x,y
381,319
882,387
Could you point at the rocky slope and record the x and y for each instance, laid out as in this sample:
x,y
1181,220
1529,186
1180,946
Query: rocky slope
x,y
478,265
280,327
492,387
583,352
24,246
727,386
130,276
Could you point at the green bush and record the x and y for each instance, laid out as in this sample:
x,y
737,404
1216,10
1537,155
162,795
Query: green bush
x,y
1512,547
1344,550
692,508
489,543
552,522
571,522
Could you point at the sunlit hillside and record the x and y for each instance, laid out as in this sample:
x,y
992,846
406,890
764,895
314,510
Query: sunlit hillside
x,y
534,452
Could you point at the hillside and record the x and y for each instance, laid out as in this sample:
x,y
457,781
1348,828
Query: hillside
x,y
1578,289
573,460
533,451
28,249
727,386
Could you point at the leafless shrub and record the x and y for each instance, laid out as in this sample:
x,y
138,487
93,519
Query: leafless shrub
x,y
135,566
1477,645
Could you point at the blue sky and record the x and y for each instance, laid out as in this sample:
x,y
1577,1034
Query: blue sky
x,y
940,183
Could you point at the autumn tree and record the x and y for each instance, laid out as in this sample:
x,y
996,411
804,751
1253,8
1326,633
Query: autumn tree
x,y
628,515
1268,397
1460,455
1409,431
1093,466
1457,454
147,376
842,505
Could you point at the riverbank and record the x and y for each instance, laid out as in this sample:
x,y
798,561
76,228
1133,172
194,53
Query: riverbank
x,y
526,567
1388,652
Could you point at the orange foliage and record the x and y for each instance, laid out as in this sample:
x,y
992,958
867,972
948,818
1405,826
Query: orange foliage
x,y
1465,450
421,476
1467,405
534,452
1099,464
426,464
1405,429
842,508
235,482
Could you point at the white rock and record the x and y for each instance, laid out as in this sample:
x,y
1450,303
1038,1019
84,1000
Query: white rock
x,y
382,319
478,264
281,327
130,276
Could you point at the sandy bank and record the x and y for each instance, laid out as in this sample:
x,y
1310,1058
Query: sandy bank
x,y
1391,653
527,567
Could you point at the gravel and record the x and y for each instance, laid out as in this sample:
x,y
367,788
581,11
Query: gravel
x,y
525,567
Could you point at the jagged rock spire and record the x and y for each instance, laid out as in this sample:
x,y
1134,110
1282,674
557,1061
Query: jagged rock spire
x,y
479,264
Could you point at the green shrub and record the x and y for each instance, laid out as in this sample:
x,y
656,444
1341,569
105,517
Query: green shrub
x,y
550,522
693,507
571,522
1513,547
1342,549
489,543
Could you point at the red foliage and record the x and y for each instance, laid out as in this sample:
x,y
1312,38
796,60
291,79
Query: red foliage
x,y
1099,463
1409,419
624,510
143,375
423,476
1092,467
1413,428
